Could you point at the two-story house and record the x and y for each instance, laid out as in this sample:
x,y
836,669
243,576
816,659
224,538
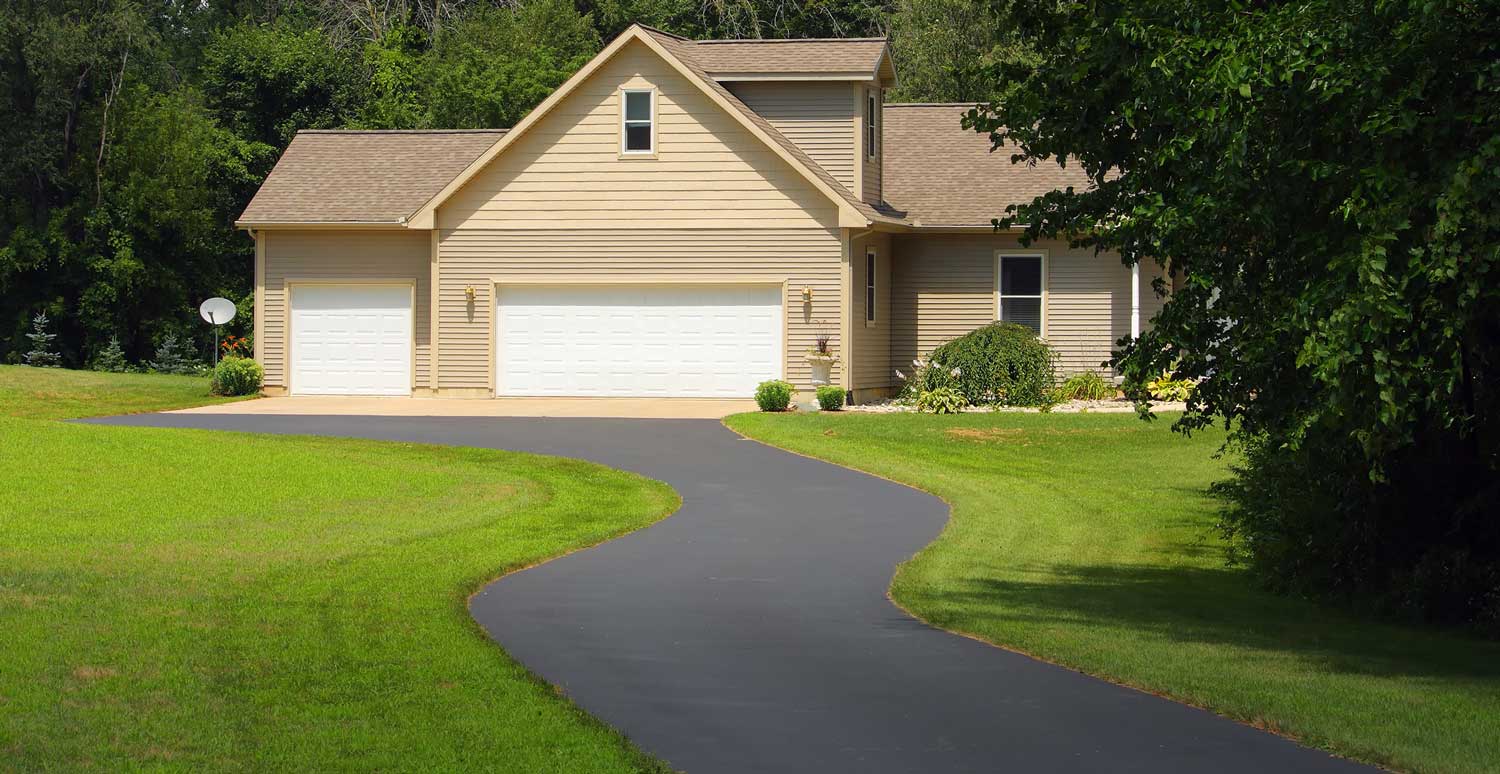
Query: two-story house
x,y
679,219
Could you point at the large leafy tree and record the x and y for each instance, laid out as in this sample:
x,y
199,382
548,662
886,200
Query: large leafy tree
x,y
1323,179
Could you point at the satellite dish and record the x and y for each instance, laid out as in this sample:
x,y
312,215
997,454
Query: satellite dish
x,y
217,310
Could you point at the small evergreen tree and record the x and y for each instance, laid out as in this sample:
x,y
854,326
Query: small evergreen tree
x,y
42,355
111,358
172,357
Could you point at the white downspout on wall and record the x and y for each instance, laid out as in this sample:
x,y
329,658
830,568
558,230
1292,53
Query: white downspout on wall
x,y
1135,300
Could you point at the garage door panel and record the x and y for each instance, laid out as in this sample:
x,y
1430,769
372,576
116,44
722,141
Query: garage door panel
x,y
692,341
351,340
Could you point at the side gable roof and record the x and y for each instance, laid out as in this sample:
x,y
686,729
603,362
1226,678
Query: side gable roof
x,y
852,211
945,175
361,177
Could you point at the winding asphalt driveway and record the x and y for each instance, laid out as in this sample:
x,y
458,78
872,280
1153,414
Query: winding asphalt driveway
x,y
750,631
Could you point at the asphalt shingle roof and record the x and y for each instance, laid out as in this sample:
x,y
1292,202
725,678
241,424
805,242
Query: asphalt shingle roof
x,y
944,175
853,55
339,176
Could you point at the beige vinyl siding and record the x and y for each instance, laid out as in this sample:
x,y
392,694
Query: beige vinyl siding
x,y
567,171
944,286
870,177
805,257
337,255
870,353
816,116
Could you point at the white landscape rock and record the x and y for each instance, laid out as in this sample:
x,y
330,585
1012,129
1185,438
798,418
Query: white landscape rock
x,y
1112,406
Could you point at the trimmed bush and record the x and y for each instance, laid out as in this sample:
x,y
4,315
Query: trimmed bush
x,y
941,400
830,397
1085,386
237,376
1001,363
774,395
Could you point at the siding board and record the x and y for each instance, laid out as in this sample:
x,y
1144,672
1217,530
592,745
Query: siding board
x,y
476,257
567,171
353,255
870,366
943,287
816,116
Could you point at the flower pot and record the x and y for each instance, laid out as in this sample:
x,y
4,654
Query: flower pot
x,y
822,367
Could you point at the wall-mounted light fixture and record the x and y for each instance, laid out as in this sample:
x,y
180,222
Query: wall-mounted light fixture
x,y
469,292
806,293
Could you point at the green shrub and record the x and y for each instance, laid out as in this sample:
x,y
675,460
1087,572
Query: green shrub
x,y
237,376
1311,521
941,400
774,395
830,398
1001,363
1085,386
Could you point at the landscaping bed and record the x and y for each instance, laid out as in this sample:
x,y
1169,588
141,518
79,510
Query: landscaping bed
x,y
1108,406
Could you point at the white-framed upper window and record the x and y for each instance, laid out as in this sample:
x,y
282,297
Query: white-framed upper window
x,y
1021,289
872,263
638,121
872,122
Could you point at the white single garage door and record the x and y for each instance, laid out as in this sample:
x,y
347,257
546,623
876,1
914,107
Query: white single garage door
x,y
351,340
698,341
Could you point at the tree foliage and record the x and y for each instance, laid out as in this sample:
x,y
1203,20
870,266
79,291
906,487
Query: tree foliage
x,y
136,132
1322,179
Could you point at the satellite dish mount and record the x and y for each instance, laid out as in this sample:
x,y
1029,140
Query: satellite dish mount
x,y
217,311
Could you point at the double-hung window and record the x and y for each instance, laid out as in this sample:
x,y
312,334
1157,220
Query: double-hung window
x,y
637,121
871,264
1019,289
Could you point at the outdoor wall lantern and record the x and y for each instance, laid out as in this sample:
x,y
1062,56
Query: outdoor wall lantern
x,y
806,293
469,293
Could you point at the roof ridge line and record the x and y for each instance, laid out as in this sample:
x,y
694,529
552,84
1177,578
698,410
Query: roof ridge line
x,y
402,131
712,41
672,35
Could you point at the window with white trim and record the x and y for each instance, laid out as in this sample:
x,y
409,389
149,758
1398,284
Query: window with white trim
x,y
872,127
637,121
871,264
1020,279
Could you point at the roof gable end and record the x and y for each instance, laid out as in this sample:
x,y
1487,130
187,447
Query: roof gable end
x,y
851,212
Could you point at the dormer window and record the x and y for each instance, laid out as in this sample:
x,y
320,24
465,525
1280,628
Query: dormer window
x,y
638,121
872,132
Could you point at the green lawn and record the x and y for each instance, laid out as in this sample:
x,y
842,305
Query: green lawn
x,y
1087,540
56,393
281,604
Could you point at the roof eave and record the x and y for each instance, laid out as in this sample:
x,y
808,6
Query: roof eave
x,y
320,224
843,75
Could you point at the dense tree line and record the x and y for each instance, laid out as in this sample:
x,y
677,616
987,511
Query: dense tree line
x,y
136,130
1323,177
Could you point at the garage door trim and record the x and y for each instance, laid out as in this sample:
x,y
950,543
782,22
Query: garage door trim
x,y
292,283
594,280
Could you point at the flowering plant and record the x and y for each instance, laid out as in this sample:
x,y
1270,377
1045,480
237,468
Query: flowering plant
x,y
235,346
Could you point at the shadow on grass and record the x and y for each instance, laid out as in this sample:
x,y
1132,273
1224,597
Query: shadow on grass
x,y
1216,606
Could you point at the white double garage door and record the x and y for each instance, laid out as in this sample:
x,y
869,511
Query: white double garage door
x,y
703,341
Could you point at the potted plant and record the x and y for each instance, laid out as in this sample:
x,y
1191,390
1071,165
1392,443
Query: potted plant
x,y
821,358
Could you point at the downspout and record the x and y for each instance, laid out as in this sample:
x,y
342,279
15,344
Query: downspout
x,y
1135,300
